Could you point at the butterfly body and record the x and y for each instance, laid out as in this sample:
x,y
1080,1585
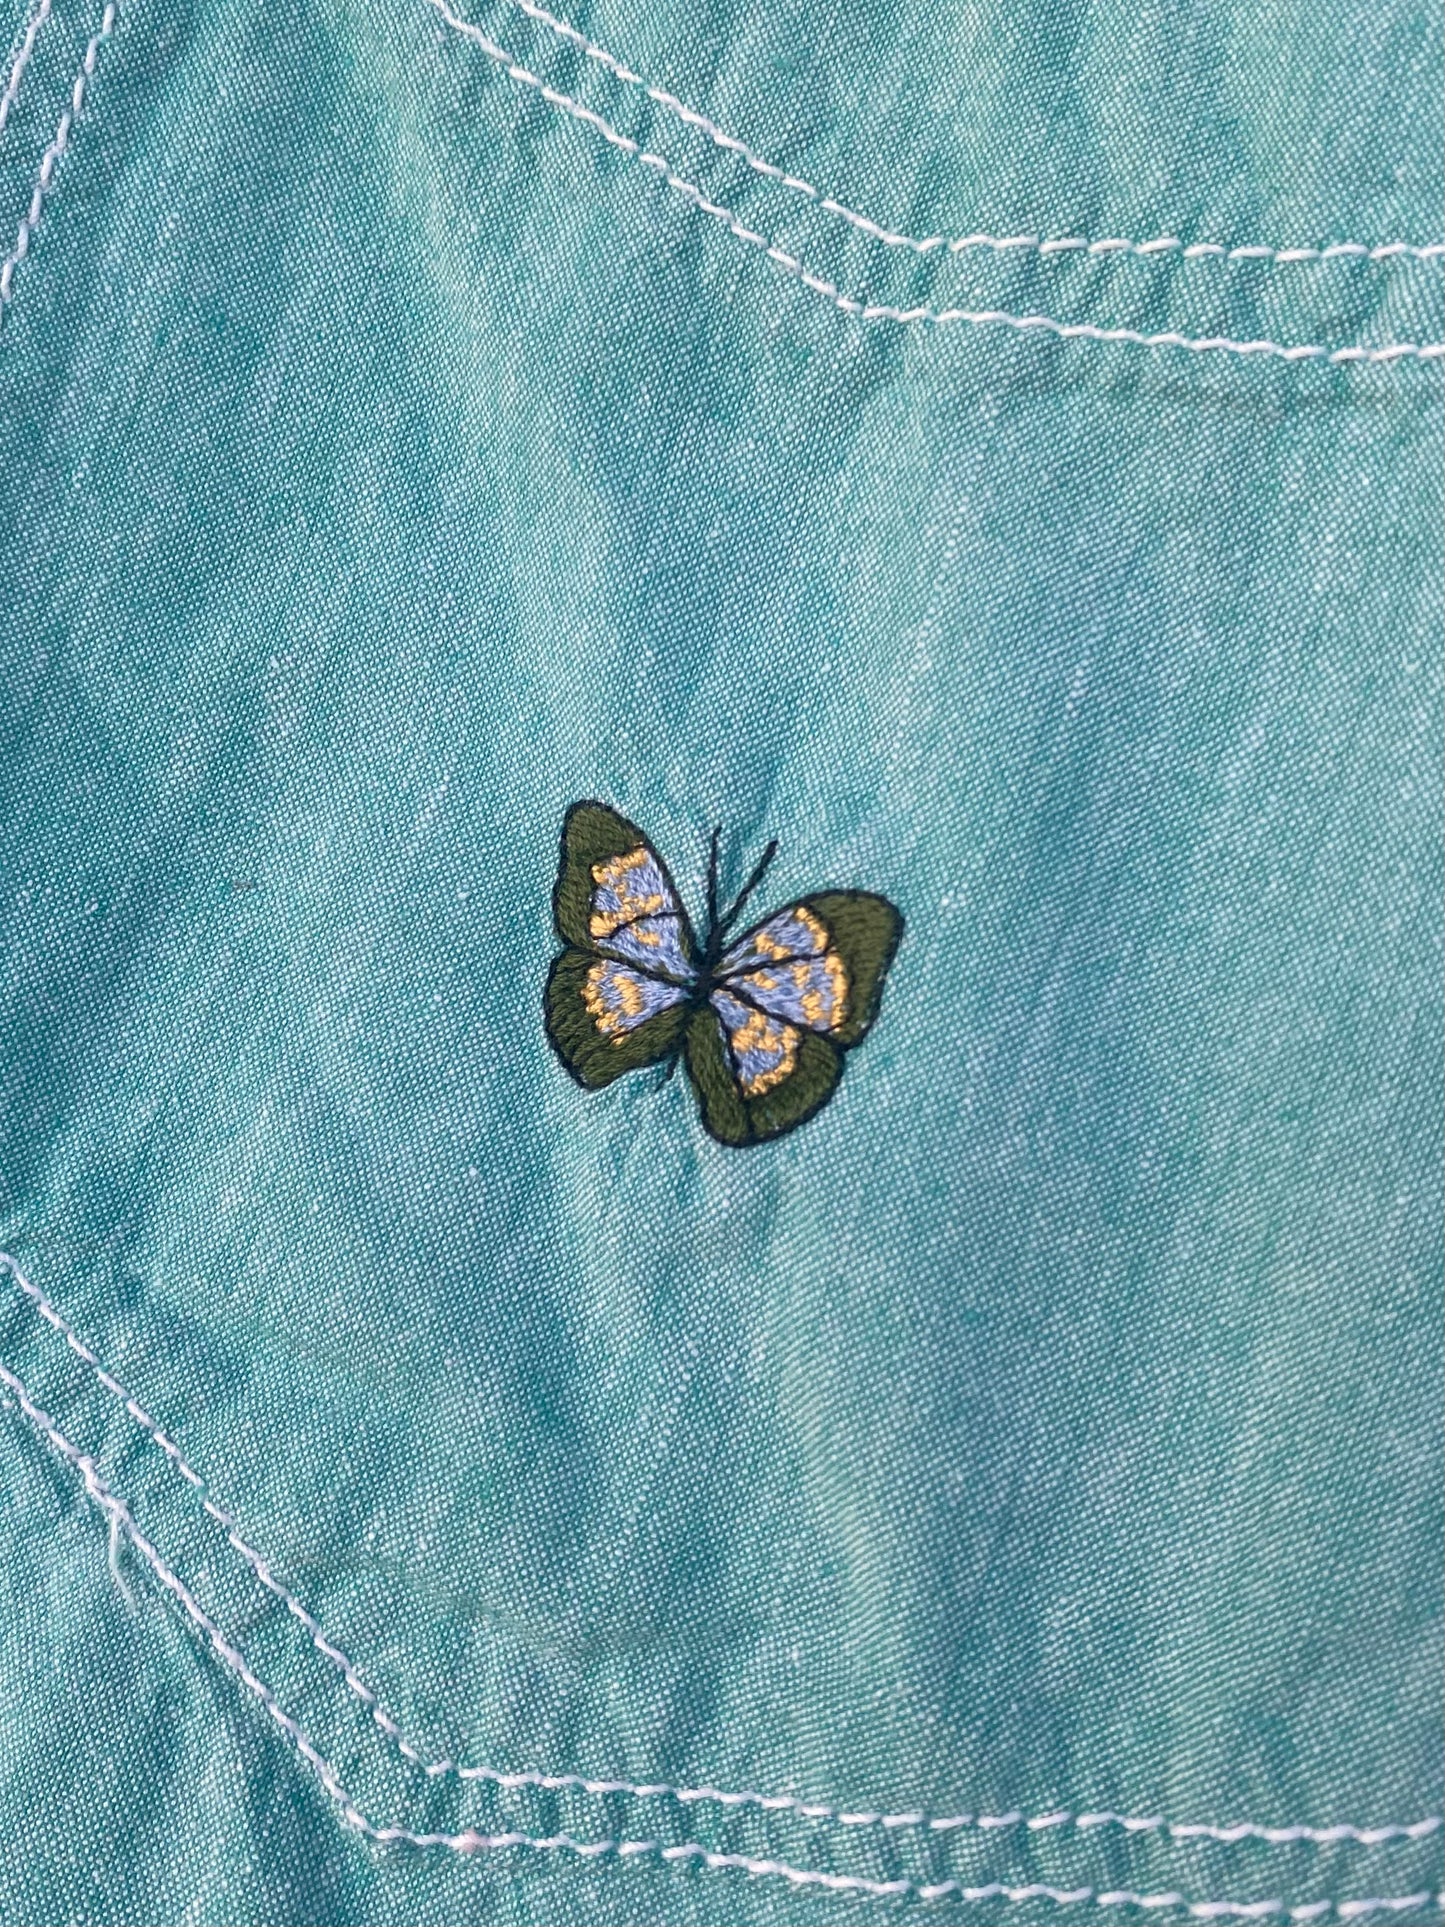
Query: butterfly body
x,y
761,1020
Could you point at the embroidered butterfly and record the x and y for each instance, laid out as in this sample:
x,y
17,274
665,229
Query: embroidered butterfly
x,y
762,1020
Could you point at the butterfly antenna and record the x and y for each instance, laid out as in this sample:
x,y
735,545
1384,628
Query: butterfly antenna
x,y
760,870
712,879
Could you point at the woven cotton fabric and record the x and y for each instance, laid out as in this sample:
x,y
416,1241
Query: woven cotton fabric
x,y
992,451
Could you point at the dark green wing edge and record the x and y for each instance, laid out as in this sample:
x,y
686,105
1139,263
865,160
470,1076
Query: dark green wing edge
x,y
592,1059
734,1119
591,833
865,931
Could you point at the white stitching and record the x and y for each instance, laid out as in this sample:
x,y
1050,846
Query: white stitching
x,y
22,61
30,220
561,1782
117,1512
119,1518
1164,244
876,311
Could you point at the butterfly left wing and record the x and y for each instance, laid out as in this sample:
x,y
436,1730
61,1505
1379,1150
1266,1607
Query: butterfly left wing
x,y
614,895
604,1017
789,998
617,997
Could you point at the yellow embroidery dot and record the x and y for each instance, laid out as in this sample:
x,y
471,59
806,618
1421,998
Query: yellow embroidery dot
x,y
760,1037
607,1017
814,926
837,975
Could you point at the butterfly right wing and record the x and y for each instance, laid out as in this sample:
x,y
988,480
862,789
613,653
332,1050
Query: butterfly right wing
x,y
617,997
791,996
755,1074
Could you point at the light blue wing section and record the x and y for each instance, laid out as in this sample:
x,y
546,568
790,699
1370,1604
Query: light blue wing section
x,y
618,999
655,944
812,991
634,913
762,1049
794,932
787,967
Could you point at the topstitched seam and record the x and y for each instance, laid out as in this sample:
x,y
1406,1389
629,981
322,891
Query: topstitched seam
x,y
880,311
1163,244
471,1841
30,220
22,60
553,1782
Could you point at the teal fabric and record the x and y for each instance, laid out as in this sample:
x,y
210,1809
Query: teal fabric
x,y
398,444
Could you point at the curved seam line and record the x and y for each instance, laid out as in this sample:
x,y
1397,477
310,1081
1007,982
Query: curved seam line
x,y
877,311
22,60
471,1841
30,220
557,1782
928,244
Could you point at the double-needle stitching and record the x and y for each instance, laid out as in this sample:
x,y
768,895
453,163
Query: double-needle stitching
x,y
472,1841
30,220
1369,1836
938,317
1163,244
